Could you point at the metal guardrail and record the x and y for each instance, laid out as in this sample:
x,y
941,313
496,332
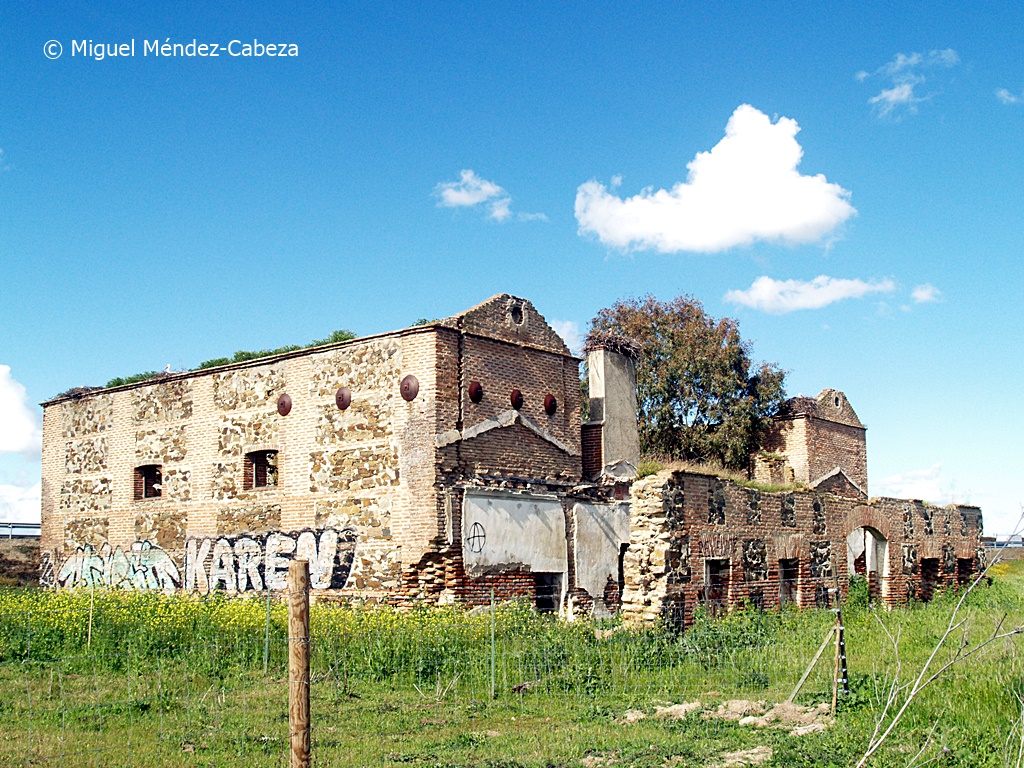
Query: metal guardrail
x,y
20,530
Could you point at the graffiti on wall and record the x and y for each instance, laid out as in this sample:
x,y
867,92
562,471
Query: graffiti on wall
x,y
232,564
257,562
142,566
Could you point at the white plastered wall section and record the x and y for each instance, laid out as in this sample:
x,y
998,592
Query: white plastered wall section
x,y
612,379
505,530
600,531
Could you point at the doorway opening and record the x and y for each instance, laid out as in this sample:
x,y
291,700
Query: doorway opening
x,y
716,585
929,578
789,581
964,570
867,555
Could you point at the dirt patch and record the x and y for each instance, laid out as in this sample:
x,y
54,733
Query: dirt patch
x,y
801,720
596,761
737,709
754,756
632,716
678,711
785,714
19,562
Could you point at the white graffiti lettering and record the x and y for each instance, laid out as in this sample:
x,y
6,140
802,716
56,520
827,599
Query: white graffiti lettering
x,y
231,564
144,566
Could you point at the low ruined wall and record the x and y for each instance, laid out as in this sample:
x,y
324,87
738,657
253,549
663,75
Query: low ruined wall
x,y
685,526
1005,553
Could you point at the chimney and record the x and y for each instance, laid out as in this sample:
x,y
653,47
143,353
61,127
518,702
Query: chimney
x,y
611,434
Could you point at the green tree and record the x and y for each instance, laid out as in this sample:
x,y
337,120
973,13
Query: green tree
x,y
700,396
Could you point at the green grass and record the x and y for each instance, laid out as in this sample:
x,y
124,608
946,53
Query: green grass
x,y
180,681
240,356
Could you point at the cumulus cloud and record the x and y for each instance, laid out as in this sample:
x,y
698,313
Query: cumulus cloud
x,y
569,330
19,425
19,505
925,293
780,296
746,188
905,73
471,191
1009,98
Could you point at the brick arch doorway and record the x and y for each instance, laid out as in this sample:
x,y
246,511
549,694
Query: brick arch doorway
x,y
867,555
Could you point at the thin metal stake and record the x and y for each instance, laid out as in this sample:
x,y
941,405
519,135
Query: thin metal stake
x,y
92,604
492,643
266,637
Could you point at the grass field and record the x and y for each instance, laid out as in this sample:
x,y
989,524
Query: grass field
x,y
189,682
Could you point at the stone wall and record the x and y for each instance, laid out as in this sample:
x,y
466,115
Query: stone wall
x,y
385,473
338,470
680,521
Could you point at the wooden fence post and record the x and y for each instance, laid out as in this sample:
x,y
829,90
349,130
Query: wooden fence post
x,y
298,662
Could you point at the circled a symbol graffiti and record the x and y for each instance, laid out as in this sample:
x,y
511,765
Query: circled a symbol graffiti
x,y
477,538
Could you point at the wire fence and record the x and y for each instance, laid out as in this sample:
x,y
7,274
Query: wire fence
x,y
111,678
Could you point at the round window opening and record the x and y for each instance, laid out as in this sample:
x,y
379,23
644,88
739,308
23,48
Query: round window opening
x,y
517,314
837,401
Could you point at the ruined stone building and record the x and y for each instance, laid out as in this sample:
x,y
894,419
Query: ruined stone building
x,y
447,461
818,442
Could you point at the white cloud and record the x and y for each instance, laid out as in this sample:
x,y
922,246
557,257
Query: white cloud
x,y
19,505
780,296
925,293
1009,98
923,484
746,188
471,190
569,330
19,425
904,74
899,95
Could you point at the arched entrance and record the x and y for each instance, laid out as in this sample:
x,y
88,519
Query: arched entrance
x,y
867,555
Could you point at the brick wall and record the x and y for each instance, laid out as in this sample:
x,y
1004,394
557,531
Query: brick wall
x,y
833,445
682,520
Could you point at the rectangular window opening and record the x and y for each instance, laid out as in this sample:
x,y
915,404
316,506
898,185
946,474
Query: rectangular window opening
x,y
148,482
261,469
548,589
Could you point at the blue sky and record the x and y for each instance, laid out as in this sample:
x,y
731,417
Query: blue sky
x,y
414,159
